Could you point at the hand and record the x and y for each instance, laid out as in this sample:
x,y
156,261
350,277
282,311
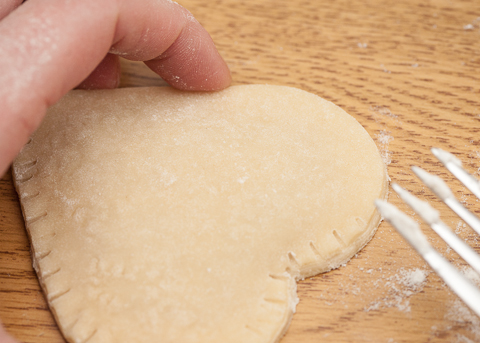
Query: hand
x,y
50,47
5,337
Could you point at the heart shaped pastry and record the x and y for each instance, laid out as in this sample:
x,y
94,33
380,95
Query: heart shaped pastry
x,y
163,216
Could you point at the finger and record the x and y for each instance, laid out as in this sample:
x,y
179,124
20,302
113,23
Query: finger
x,y
189,62
5,337
7,6
49,47
105,76
185,65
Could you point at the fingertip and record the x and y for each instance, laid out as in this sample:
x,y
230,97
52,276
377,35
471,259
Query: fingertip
x,y
4,336
192,62
212,78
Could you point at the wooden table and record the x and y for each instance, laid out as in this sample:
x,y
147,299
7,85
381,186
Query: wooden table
x,y
409,72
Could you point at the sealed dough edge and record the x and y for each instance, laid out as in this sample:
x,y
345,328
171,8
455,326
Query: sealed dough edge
x,y
347,254
44,180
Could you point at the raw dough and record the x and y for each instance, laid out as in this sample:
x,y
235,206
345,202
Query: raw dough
x,y
163,216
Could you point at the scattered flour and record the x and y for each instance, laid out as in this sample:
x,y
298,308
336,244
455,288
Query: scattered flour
x,y
477,156
395,290
383,139
400,287
384,118
385,70
384,111
473,25
461,227
471,274
459,316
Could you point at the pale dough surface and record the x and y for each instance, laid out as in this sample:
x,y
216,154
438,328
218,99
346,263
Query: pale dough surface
x,y
162,216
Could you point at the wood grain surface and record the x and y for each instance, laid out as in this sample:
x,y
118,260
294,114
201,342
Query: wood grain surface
x,y
409,72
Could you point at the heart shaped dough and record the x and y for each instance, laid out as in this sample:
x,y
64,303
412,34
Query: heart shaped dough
x,y
163,216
